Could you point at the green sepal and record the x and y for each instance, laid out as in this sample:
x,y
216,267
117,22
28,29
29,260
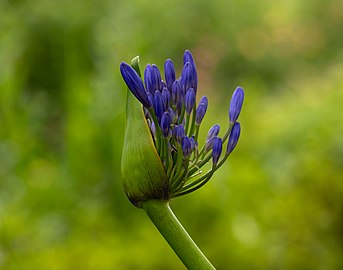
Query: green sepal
x,y
143,174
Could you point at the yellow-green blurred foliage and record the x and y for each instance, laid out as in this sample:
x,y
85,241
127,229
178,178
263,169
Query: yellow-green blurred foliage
x,y
277,203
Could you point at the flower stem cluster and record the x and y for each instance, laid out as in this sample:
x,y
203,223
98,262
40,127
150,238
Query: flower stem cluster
x,y
174,119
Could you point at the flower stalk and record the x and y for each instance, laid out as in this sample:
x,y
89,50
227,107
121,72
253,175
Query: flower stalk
x,y
177,237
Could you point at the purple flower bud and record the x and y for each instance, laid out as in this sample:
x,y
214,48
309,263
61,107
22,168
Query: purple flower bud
x,y
166,98
179,133
201,110
163,84
186,147
152,78
151,98
147,79
217,150
169,73
189,100
173,115
165,124
233,138
194,144
211,136
209,143
214,131
176,92
134,83
158,105
187,77
187,57
236,104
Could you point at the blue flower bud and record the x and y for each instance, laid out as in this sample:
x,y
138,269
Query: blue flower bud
x,y
176,92
166,98
165,124
209,143
236,104
194,144
147,79
179,133
156,77
151,98
217,150
186,147
158,105
173,115
211,136
214,131
189,100
134,83
233,138
169,73
152,78
201,110
187,57
187,77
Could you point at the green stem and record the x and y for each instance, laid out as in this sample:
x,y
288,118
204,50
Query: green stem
x,y
171,229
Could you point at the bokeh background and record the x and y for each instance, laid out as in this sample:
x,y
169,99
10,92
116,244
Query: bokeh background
x,y
278,202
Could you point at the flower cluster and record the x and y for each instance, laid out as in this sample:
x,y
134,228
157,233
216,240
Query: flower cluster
x,y
174,119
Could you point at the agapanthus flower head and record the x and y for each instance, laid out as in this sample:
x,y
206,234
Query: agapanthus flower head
x,y
174,119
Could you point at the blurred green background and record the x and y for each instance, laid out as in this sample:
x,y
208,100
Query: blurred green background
x,y
278,202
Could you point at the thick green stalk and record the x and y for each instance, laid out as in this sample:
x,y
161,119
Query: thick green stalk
x,y
171,229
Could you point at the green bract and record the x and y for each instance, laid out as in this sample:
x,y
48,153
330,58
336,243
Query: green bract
x,y
143,174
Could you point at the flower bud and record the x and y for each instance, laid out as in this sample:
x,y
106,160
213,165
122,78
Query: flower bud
x,y
169,73
134,83
152,78
187,77
158,104
179,133
187,57
194,144
173,115
201,110
233,138
186,147
209,143
214,131
217,150
165,124
189,100
176,92
236,104
166,98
